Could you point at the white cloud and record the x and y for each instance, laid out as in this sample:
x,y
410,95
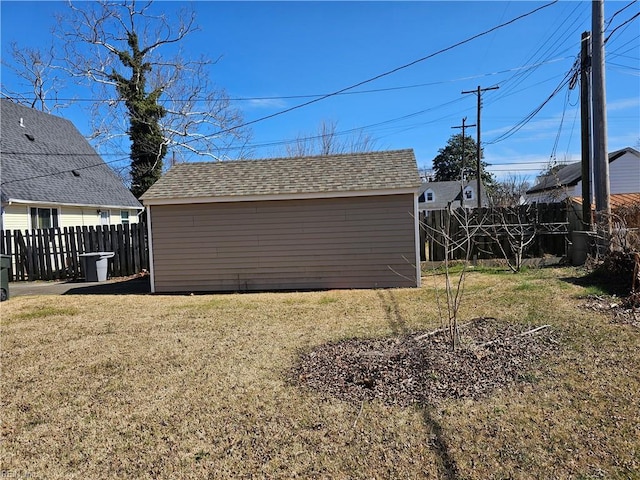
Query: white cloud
x,y
623,104
266,103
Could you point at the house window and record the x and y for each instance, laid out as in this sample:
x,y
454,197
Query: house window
x,y
124,217
468,194
429,196
104,217
44,217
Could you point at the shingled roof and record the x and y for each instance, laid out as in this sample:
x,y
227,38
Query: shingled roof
x,y
279,177
448,192
45,159
572,173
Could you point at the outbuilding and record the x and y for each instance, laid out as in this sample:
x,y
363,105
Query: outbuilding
x,y
321,222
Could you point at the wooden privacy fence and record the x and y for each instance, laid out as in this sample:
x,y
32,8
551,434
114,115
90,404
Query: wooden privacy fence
x,y
548,223
53,253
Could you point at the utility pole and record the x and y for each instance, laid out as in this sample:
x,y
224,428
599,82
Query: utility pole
x,y
585,120
478,92
600,149
463,127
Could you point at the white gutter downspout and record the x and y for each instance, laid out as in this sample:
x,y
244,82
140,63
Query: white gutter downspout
x,y
416,220
150,240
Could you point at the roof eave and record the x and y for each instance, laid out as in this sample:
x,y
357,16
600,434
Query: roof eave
x,y
279,196
21,201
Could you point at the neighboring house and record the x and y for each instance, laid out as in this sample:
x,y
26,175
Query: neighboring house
x,y
624,177
442,195
51,176
337,221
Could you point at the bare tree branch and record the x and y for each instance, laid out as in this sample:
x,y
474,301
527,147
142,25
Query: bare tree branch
x,y
113,46
39,73
327,142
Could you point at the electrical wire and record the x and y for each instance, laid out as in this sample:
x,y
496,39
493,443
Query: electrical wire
x,y
608,23
620,26
44,175
315,95
559,35
345,91
382,75
511,131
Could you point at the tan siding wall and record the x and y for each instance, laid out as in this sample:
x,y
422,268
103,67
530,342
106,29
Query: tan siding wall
x,y
361,242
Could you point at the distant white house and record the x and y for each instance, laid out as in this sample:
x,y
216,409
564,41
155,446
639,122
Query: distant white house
x,y
442,195
624,177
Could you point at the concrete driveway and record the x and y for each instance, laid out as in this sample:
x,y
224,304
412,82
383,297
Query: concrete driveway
x,y
124,286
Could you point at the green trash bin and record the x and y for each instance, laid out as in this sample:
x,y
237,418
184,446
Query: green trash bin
x,y
5,264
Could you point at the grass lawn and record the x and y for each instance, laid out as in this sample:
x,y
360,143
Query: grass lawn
x,y
177,387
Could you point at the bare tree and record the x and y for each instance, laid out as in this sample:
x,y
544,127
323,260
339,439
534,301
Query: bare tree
x,y
509,192
147,89
328,142
40,78
129,55
513,229
455,232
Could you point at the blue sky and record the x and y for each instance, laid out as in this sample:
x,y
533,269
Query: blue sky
x,y
286,49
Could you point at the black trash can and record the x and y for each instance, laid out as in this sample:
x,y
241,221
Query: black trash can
x,y
5,264
96,265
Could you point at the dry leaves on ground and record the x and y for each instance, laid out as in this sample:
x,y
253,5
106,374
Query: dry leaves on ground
x,y
623,310
422,368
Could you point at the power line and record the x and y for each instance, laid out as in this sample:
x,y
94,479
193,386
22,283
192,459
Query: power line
x,y
564,82
315,95
384,74
619,11
559,34
272,143
60,171
620,26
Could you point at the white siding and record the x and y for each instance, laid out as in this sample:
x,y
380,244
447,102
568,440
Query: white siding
x,y
624,176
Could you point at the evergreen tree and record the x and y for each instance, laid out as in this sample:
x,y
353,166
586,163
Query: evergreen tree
x,y
448,164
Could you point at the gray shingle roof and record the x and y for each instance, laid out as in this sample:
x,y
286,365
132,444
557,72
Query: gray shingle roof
x,y
37,161
329,174
572,173
448,192
569,175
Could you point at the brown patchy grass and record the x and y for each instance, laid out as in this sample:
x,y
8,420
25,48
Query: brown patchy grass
x,y
196,387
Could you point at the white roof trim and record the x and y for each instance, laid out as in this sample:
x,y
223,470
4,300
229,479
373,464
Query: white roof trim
x,y
277,196
12,201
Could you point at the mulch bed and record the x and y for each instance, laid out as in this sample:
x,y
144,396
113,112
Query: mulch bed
x,y
421,368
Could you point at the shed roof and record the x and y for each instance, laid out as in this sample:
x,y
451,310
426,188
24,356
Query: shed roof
x,y
45,159
317,176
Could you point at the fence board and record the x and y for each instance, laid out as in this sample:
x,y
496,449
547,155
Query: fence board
x,y
549,222
51,254
127,243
